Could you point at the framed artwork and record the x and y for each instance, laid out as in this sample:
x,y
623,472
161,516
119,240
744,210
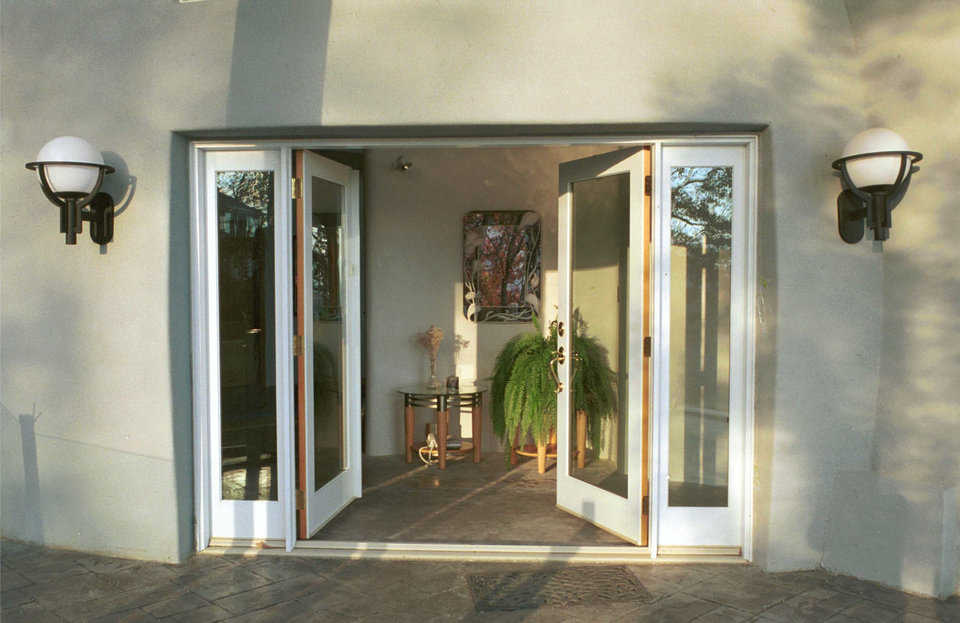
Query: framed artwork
x,y
501,266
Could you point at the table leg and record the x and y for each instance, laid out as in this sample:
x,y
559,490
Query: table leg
x,y
477,422
442,417
408,431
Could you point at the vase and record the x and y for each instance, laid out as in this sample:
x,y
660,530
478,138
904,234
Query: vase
x,y
435,383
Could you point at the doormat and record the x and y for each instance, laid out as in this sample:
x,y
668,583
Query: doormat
x,y
565,586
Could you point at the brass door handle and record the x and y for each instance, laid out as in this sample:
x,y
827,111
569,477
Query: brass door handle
x,y
558,358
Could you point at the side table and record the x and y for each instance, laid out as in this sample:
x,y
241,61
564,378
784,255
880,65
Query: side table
x,y
441,399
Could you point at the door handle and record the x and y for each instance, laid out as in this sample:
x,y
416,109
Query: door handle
x,y
558,358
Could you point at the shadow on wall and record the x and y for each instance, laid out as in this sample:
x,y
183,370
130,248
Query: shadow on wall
x,y
816,374
120,185
909,64
276,79
22,427
178,283
278,64
918,432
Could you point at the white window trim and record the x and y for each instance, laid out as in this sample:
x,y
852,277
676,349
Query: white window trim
x,y
200,310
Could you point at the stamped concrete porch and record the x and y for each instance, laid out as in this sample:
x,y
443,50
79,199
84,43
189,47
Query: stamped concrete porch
x,y
488,502
40,585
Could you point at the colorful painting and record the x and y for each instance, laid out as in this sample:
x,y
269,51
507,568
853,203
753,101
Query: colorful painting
x,y
501,266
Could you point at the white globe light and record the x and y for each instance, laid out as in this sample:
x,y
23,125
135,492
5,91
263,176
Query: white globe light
x,y
875,170
70,178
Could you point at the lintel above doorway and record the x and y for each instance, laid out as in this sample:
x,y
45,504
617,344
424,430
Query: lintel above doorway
x,y
391,133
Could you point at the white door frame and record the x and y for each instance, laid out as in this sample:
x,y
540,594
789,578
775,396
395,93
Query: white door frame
x,y
265,520
693,520
614,513
324,503
200,267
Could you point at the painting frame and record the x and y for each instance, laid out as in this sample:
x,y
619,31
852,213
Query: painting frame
x,y
502,265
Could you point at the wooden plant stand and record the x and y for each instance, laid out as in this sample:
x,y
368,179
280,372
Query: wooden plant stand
x,y
542,453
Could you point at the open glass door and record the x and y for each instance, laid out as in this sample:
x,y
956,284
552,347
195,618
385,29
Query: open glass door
x,y
703,343
603,229
327,309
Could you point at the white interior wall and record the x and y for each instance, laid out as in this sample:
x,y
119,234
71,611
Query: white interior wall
x,y
413,255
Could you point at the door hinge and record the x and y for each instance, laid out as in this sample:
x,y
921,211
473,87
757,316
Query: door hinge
x,y
296,188
301,500
298,346
647,346
647,184
645,505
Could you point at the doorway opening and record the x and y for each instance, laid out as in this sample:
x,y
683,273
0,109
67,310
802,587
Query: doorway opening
x,y
375,249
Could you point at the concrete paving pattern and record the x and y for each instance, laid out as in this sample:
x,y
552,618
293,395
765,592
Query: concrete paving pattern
x,y
40,584
488,502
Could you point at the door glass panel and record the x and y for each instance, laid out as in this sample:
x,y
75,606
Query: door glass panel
x,y
700,251
598,393
326,227
248,414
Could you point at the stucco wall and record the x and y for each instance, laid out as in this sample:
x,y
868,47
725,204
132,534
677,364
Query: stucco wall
x,y
907,60
98,345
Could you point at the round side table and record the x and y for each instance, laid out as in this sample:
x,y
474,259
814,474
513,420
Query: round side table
x,y
441,399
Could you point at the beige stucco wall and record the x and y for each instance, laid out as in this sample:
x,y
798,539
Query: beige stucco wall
x,y
97,345
901,509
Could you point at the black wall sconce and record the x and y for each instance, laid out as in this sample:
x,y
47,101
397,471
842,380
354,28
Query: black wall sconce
x,y
875,172
71,172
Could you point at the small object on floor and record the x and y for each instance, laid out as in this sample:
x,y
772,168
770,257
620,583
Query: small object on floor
x,y
454,444
564,586
430,449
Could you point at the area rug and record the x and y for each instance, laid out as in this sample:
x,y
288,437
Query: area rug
x,y
565,586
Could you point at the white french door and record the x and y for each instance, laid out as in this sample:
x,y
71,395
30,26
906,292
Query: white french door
x,y
703,345
257,456
328,319
249,328
701,339
600,465
245,228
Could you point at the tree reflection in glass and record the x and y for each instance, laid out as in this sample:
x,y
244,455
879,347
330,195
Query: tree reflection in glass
x,y
247,358
701,219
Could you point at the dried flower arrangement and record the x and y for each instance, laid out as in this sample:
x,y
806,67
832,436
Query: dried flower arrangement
x,y
430,341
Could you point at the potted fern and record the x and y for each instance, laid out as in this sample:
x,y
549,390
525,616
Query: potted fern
x,y
524,397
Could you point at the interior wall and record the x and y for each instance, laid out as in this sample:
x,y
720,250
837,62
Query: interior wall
x,y
414,263
95,348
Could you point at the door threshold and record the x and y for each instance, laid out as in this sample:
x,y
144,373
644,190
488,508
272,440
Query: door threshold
x,y
371,550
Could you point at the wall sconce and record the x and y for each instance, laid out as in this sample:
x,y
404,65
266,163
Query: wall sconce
x,y
71,171
875,172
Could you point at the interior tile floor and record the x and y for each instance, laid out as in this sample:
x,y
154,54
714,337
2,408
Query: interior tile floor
x,y
483,503
40,585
